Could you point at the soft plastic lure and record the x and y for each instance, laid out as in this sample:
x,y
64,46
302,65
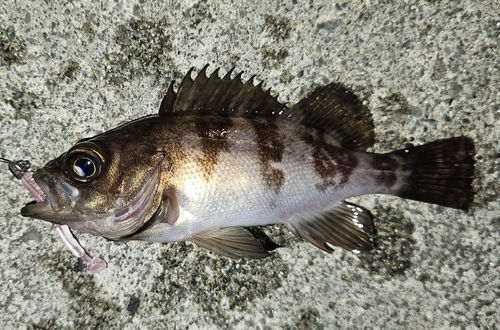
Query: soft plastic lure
x,y
21,170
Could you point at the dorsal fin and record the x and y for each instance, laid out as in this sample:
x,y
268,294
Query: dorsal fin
x,y
331,109
338,112
224,96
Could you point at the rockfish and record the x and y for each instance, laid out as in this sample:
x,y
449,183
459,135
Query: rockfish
x,y
223,157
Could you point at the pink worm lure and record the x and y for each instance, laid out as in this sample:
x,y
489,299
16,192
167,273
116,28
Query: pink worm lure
x,y
21,170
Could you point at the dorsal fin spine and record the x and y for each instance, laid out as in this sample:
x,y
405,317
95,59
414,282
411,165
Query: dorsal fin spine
x,y
184,90
211,86
245,93
222,82
198,87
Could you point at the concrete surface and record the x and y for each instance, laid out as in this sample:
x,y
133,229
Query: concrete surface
x,y
427,69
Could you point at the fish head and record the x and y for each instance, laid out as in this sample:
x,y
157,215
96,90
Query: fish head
x,y
100,186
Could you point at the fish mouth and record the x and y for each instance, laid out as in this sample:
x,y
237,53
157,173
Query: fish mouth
x,y
51,195
40,204
29,183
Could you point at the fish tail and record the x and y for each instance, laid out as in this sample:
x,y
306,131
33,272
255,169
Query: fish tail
x,y
439,172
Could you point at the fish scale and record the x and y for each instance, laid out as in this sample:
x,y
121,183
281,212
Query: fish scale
x,y
223,157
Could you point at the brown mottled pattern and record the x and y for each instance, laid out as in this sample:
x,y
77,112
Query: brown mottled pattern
x,y
333,164
387,167
271,149
213,132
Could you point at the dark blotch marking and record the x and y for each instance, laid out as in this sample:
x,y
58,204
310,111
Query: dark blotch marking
x,y
387,167
271,149
213,132
333,164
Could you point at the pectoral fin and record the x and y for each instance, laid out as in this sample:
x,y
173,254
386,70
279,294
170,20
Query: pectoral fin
x,y
233,242
346,225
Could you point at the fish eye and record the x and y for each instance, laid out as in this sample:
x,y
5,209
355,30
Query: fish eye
x,y
84,167
84,161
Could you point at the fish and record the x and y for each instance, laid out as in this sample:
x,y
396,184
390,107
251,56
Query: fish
x,y
224,158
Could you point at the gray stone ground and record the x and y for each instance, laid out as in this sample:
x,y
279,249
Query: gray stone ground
x,y
427,69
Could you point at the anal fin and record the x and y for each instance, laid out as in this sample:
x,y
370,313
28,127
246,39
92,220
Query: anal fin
x,y
233,242
346,225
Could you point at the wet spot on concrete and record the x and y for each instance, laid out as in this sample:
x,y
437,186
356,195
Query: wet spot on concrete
x,y
396,105
83,294
144,47
308,318
273,58
394,243
12,48
215,283
277,27
199,13
68,71
23,102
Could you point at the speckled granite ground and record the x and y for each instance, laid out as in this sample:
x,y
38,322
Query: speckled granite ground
x,y
427,69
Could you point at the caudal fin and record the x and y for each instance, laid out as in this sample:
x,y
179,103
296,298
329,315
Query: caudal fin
x,y
440,172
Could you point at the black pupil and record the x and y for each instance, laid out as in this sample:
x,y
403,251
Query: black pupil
x,y
84,167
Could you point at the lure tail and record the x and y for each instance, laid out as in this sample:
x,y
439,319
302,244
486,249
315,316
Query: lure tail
x,y
439,172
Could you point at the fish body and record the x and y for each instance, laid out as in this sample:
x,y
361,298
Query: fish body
x,y
222,156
